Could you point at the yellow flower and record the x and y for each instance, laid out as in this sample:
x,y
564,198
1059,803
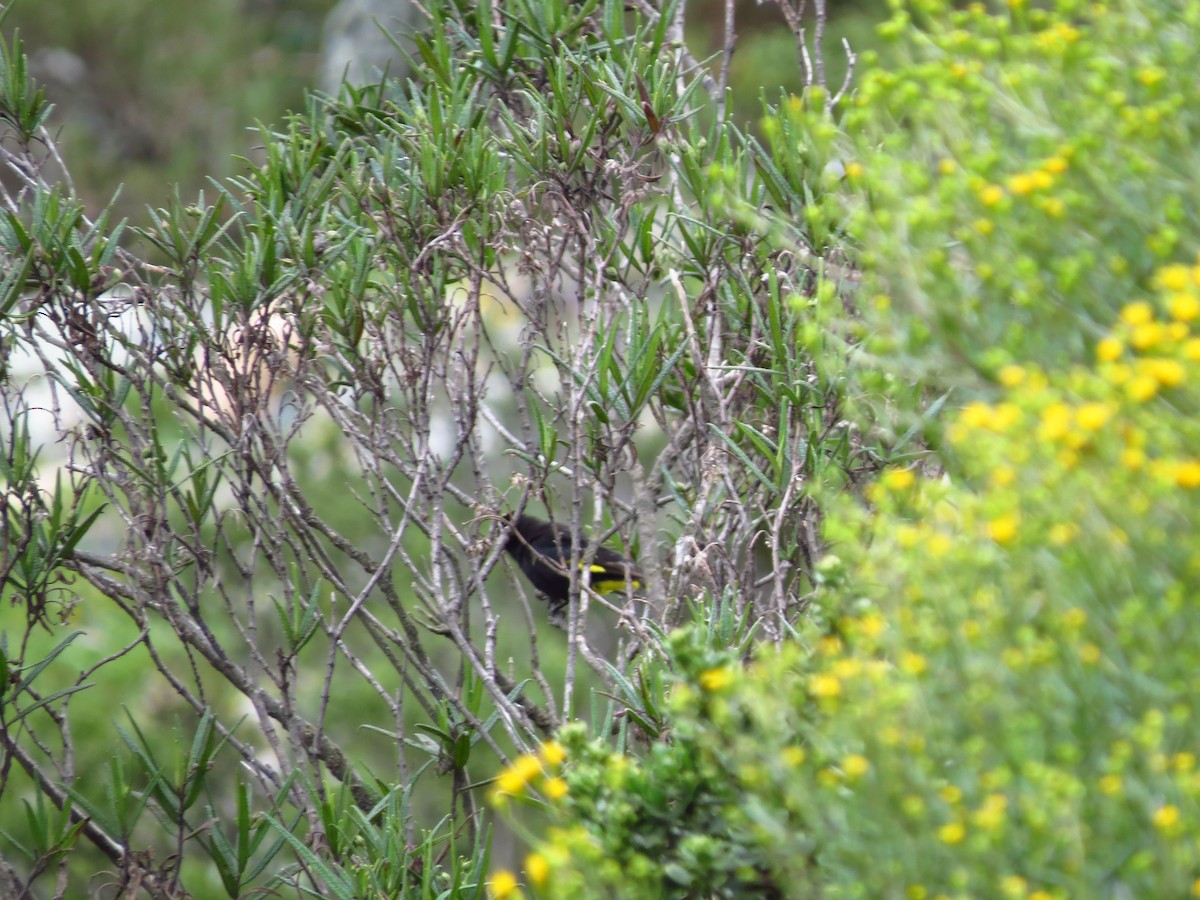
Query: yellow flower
x,y
1011,375
1138,313
1142,388
1151,75
845,669
1056,420
1093,416
1133,458
1146,335
898,479
1184,307
1167,372
1110,785
513,779
1003,529
1063,533
984,227
1191,350
1166,817
991,195
553,753
824,686
1013,886
855,766
794,756
1021,184
1109,349
872,625
1055,165
952,834
715,679
537,869
947,166
913,663
504,884
1187,474
555,788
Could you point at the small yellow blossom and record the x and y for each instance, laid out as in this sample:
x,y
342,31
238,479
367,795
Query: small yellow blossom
x,y
952,833
1166,817
1147,335
1056,420
1074,617
831,645
1187,474
947,166
537,869
991,195
1184,307
504,885
1041,895
872,625
1142,388
984,227
1173,278
523,770
1089,654
1055,165
555,788
553,753
846,669
1093,416
824,686
1063,533
899,479
1167,372
1011,375
1133,458
716,679
1138,313
855,766
1021,184
1003,476
1110,785
854,170
1003,529
1014,886
1151,75
794,756
1109,349
991,814
1191,350
913,663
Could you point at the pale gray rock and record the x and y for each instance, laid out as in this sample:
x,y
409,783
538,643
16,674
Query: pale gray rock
x,y
354,43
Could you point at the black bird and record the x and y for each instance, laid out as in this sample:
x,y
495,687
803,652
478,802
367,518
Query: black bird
x,y
543,551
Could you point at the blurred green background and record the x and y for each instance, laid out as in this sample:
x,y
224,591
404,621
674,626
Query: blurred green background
x,y
151,94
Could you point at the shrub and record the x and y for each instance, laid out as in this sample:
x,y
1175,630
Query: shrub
x,y
996,693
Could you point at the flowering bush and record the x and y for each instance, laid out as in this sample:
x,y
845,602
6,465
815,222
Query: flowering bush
x,y
996,694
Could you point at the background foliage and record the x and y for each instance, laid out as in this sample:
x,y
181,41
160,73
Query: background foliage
x,y
892,396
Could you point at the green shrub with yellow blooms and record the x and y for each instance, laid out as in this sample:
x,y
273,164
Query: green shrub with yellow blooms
x,y
997,693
